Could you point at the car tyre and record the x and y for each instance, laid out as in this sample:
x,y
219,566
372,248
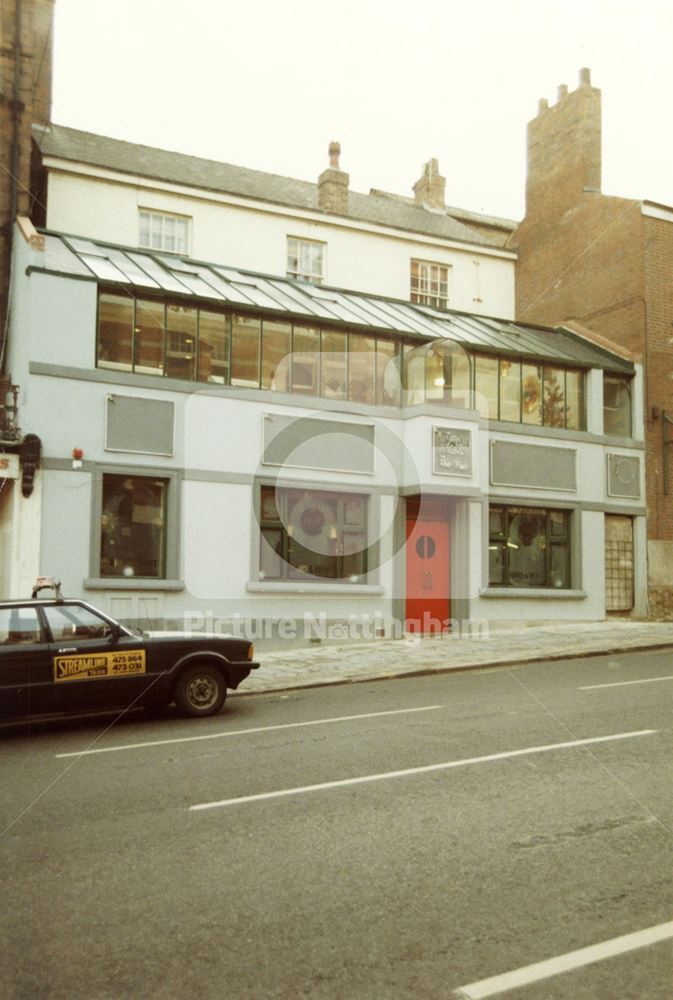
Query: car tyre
x,y
201,690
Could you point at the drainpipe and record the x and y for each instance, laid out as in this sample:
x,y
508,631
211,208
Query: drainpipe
x,y
16,107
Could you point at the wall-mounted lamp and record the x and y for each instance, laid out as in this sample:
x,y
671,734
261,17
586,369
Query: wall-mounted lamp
x,y
30,456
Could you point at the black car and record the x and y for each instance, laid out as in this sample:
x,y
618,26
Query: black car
x,y
61,655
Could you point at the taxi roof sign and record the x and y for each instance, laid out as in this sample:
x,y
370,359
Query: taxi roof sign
x,y
47,583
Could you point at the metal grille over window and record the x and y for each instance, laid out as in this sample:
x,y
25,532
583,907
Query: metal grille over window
x,y
619,583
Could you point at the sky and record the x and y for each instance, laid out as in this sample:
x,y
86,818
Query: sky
x,y
267,84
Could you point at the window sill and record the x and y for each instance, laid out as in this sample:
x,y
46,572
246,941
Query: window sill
x,y
130,583
543,593
295,587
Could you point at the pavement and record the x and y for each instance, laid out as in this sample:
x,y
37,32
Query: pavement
x,y
283,670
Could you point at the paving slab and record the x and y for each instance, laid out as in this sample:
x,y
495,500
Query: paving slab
x,y
283,670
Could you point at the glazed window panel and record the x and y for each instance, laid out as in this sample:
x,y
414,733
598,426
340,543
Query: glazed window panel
x,y
529,547
245,337
312,534
305,260
617,405
133,527
361,368
305,360
387,372
333,364
115,332
554,397
429,283
574,400
510,390
159,231
276,351
486,386
531,394
213,347
149,337
181,342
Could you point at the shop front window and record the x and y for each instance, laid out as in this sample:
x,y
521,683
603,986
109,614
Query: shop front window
x,y
529,547
312,533
133,527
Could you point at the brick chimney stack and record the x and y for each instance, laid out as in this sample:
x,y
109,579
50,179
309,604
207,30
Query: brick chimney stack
x,y
564,150
430,190
333,184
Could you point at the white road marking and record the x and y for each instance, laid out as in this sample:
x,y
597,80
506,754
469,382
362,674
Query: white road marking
x,y
245,732
426,769
565,963
616,684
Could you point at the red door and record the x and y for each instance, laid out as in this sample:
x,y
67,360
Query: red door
x,y
427,557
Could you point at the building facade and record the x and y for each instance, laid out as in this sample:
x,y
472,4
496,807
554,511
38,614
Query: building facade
x,y
603,262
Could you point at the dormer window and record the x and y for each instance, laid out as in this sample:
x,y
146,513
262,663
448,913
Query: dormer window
x,y
159,231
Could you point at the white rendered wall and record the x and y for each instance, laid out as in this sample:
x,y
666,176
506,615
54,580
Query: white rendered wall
x,y
254,237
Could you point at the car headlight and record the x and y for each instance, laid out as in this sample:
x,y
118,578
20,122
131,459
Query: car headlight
x,y
251,652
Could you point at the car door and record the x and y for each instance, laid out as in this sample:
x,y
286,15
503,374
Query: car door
x,y
92,664
23,651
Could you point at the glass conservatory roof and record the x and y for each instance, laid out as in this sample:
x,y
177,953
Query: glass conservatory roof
x,y
160,273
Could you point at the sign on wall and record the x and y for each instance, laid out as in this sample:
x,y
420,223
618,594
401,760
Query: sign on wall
x,y
9,466
451,451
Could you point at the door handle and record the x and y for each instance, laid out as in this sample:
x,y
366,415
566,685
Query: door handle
x,y
68,649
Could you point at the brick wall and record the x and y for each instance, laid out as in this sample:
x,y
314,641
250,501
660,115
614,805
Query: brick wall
x,y
19,110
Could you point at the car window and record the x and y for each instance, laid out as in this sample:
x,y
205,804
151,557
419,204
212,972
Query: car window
x,y
72,623
19,626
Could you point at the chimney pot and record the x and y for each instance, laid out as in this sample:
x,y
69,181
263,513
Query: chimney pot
x,y
585,77
334,154
542,105
562,91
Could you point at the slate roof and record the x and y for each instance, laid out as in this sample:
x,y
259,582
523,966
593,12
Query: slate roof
x,y
153,272
226,178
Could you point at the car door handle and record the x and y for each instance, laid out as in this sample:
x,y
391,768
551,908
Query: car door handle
x,y
68,649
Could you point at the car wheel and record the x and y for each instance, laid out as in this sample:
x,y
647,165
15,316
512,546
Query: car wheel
x,y
200,690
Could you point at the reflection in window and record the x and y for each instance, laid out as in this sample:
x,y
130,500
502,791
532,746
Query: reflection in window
x,y
133,526
387,372
213,347
529,547
149,337
115,331
617,416
333,364
312,534
180,342
361,368
245,333
305,357
554,405
19,626
276,350
531,393
510,390
486,386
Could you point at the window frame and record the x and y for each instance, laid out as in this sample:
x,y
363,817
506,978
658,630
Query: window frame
x,y
368,527
627,383
173,527
152,214
303,275
500,540
422,297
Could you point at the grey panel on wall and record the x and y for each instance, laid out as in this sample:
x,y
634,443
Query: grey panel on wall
x,y
311,443
623,476
139,425
541,467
